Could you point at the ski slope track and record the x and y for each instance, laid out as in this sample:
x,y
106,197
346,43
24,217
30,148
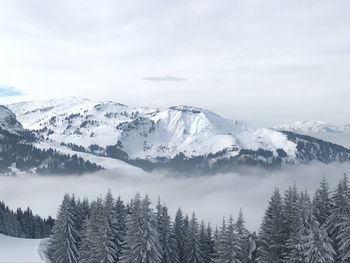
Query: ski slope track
x,y
21,250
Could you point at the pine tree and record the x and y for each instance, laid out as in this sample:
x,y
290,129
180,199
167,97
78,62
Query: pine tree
x,y
344,239
99,242
64,240
83,210
167,238
207,242
220,242
344,225
216,239
110,230
291,222
318,248
301,230
192,249
120,212
228,246
85,253
211,243
204,243
180,235
186,223
243,235
322,202
159,212
142,237
272,236
93,237
336,222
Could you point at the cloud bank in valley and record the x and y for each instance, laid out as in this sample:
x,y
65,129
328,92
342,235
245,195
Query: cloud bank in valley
x,y
212,197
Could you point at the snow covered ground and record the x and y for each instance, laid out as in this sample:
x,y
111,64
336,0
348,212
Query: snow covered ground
x,y
22,250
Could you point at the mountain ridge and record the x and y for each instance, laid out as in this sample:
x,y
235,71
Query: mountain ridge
x,y
143,132
180,137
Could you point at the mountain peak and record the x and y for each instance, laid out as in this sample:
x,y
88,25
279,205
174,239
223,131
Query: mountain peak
x,y
185,108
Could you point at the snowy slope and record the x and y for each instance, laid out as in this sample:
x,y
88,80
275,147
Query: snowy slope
x,y
14,249
143,132
309,127
75,120
105,162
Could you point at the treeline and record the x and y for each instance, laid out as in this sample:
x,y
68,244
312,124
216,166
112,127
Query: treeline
x,y
18,152
295,229
27,157
23,224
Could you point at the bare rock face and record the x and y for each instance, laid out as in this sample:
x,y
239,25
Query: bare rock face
x,y
8,122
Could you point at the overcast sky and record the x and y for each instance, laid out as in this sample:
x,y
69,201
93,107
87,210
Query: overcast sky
x,y
255,60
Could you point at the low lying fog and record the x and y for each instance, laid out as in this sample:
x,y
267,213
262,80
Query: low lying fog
x,y
212,197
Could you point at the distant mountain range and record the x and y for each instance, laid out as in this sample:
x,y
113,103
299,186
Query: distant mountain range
x,y
180,138
312,127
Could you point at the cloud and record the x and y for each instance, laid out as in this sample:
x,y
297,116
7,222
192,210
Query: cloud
x,y
166,78
6,91
211,197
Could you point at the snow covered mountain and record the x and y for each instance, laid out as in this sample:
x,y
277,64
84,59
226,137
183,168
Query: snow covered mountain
x,y
311,127
19,154
178,136
143,132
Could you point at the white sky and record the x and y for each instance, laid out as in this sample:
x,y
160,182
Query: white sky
x,y
259,60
